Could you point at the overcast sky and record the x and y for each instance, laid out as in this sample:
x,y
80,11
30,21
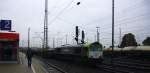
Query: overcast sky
x,y
130,16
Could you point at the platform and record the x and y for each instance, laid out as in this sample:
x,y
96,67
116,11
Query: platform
x,y
22,66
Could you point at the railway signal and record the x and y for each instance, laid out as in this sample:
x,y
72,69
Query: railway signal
x,y
83,36
77,34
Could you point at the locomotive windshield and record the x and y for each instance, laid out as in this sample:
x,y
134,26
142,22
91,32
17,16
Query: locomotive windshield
x,y
95,50
95,47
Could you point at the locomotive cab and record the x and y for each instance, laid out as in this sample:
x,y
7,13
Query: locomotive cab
x,y
95,51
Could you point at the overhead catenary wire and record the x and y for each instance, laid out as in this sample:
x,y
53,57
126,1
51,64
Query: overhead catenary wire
x,y
61,12
129,20
102,27
93,31
125,21
98,19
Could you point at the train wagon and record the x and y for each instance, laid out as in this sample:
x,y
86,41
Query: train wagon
x,y
9,45
86,53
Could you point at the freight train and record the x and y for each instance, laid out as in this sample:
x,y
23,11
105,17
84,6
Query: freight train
x,y
83,52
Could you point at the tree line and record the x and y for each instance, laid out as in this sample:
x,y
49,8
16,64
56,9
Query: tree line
x,y
129,40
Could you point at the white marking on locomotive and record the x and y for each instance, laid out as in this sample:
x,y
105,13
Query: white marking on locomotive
x,y
95,54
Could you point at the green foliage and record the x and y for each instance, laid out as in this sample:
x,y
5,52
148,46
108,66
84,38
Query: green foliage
x,y
146,42
128,40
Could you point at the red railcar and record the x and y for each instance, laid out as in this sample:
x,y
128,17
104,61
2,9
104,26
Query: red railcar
x,y
9,45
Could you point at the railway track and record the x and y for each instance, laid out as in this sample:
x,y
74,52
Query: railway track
x,y
120,65
105,68
123,68
109,68
125,65
136,61
73,67
134,69
51,67
146,66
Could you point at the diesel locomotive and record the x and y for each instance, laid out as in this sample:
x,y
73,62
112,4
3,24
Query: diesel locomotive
x,y
82,52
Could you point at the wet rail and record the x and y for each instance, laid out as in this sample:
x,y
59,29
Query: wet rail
x,y
50,67
126,65
74,67
115,66
121,64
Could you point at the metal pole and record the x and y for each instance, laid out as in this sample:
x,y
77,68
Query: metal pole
x,y
97,34
120,37
42,42
66,38
112,27
46,12
28,37
46,25
53,43
45,43
73,40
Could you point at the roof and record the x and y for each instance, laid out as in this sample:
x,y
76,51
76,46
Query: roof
x,y
8,36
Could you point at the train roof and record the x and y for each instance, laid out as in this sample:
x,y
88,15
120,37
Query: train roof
x,y
130,48
70,46
80,45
